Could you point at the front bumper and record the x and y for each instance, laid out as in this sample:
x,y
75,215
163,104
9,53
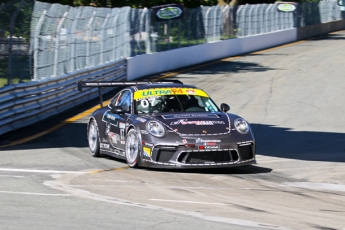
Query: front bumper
x,y
181,156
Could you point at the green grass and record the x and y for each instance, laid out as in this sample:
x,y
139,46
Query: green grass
x,y
4,81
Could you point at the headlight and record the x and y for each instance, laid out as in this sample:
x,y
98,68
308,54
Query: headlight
x,y
155,128
241,125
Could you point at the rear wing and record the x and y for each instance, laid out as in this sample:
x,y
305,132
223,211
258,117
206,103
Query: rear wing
x,y
100,84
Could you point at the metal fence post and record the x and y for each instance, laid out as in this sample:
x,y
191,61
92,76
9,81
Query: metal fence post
x,y
14,17
72,40
56,53
37,32
87,58
115,37
102,38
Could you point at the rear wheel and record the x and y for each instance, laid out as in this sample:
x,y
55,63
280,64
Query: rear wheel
x,y
92,137
132,148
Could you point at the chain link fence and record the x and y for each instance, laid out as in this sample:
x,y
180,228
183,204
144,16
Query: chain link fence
x,y
64,39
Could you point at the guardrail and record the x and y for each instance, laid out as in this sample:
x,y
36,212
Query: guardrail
x,y
27,103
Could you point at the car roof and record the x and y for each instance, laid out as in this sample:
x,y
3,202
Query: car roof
x,y
151,86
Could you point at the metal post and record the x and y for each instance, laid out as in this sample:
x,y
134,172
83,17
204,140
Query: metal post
x,y
87,58
141,30
102,39
37,32
56,53
148,32
206,24
115,37
72,39
126,34
10,44
100,96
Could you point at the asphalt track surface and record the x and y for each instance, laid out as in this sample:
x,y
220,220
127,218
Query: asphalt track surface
x,y
293,96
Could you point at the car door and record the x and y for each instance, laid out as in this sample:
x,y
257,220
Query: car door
x,y
116,123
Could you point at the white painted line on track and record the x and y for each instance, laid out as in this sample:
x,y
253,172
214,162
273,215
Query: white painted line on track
x,y
33,193
317,186
189,202
11,176
39,171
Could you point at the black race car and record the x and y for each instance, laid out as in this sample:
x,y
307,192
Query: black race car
x,y
168,125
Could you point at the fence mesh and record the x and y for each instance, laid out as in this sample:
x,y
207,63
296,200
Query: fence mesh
x,y
64,39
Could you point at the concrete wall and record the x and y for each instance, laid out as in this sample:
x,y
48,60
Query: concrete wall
x,y
147,64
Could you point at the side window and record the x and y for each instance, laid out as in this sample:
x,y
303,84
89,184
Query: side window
x,y
115,100
125,101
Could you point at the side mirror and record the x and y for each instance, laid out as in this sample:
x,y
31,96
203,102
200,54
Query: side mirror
x,y
224,107
116,109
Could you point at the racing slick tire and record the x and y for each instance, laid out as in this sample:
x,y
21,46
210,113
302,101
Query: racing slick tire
x,y
92,138
132,149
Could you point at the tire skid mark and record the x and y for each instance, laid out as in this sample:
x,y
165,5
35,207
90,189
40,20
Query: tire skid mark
x,y
64,186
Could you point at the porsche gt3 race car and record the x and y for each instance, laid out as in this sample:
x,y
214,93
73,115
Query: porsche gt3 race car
x,y
168,125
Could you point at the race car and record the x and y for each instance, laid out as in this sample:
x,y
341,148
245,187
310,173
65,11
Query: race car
x,y
168,125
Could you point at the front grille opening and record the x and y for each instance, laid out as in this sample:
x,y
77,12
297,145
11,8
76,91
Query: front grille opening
x,y
246,152
164,155
234,155
204,157
183,157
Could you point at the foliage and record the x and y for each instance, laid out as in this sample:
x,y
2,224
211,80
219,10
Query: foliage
x,y
18,13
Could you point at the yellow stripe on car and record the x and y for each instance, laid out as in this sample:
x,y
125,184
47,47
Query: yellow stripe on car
x,y
155,92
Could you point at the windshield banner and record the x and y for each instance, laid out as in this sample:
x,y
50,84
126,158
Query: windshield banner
x,y
156,92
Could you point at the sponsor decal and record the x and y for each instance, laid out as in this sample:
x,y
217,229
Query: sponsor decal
x,y
189,116
147,93
106,146
199,140
190,91
140,119
212,147
168,12
116,151
184,141
186,122
144,132
107,128
122,125
147,151
111,117
210,143
286,7
113,138
148,144
123,142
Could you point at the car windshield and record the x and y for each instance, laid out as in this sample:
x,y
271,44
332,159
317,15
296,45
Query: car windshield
x,y
167,100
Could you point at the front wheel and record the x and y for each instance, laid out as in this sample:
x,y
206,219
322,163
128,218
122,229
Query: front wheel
x,y
132,148
92,137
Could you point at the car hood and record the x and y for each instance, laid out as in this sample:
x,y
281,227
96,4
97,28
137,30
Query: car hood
x,y
196,123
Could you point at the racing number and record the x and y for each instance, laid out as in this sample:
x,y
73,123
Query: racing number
x,y
147,102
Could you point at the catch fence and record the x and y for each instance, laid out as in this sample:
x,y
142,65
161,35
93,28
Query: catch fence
x,y
63,39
